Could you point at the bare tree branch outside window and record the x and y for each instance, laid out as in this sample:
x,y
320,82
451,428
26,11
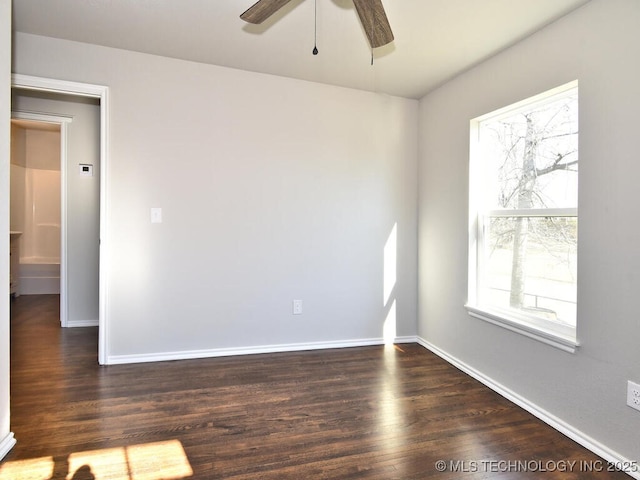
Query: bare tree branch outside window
x,y
531,159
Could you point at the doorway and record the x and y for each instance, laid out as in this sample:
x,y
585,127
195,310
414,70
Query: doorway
x,y
85,193
60,228
37,232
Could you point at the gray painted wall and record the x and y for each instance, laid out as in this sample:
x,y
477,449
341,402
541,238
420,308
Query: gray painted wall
x,y
272,189
83,196
600,46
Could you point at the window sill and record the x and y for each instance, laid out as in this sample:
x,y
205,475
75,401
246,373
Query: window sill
x,y
549,337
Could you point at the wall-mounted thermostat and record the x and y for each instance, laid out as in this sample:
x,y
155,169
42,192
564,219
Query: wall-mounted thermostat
x,y
86,170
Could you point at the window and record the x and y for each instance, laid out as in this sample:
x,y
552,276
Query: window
x,y
524,217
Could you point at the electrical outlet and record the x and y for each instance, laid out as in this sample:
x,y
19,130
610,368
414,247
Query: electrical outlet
x,y
633,395
297,307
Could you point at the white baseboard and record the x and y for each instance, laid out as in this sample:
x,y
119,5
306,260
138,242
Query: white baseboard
x,y
7,444
39,286
548,418
81,323
406,339
228,352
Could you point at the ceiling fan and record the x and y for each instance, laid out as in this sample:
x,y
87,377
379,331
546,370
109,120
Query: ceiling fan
x,y
371,13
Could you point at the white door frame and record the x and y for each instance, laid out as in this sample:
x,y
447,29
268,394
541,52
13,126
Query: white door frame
x,y
62,121
100,92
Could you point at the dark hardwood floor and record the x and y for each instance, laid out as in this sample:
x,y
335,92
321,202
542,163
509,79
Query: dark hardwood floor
x,y
372,412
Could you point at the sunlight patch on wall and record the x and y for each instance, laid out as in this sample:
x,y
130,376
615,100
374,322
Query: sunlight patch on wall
x,y
390,261
389,285
389,327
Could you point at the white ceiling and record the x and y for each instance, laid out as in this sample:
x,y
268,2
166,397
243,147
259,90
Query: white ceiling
x,y
434,39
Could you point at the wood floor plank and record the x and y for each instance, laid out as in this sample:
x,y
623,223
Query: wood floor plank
x,y
370,413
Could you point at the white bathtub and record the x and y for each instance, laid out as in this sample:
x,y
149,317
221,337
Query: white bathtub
x,y
39,275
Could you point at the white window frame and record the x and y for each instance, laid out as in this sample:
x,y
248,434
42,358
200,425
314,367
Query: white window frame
x,y
546,331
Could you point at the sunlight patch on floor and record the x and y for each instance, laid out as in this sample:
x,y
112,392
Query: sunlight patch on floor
x,y
165,457
33,469
150,461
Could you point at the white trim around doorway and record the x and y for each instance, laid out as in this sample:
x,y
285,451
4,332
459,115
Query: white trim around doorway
x,y
100,92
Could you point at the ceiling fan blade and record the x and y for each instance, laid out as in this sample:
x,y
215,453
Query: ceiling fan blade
x,y
262,9
374,21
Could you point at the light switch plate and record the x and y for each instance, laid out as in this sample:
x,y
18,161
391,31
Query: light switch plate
x,y
156,215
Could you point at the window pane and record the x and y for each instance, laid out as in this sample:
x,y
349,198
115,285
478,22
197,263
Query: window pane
x,y
532,157
539,278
